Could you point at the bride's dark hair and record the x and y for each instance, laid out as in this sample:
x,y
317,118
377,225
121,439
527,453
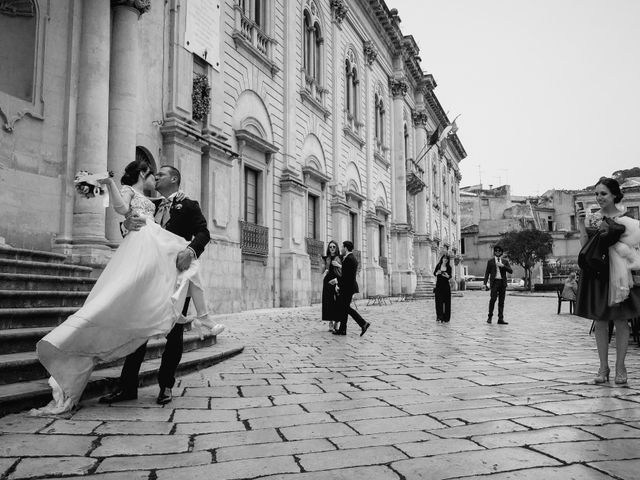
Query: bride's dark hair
x,y
132,172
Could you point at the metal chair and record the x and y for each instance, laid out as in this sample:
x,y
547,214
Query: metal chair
x,y
562,299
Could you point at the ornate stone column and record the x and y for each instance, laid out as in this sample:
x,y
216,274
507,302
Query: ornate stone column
x,y
88,243
403,278
421,247
123,86
399,90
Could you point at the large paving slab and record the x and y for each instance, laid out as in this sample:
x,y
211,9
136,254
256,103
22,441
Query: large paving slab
x,y
411,399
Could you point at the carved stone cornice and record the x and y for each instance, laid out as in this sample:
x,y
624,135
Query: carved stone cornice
x,y
339,10
141,6
370,52
398,88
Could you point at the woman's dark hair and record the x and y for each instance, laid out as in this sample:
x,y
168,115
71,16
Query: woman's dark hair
x,y
439,264
337,248
133,170
613,186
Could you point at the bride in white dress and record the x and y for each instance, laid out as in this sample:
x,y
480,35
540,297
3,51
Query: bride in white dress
x,y
139,295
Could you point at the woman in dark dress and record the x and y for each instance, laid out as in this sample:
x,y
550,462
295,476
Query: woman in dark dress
x,y
592,299
443,289
332,270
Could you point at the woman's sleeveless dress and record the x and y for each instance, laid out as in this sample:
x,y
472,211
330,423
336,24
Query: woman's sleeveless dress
x,y
329,304
139,295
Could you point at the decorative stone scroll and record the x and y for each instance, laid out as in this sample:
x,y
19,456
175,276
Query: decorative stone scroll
x,y
339,10
370,52
141,6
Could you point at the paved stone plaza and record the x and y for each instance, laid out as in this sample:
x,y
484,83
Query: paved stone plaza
x,y
411,399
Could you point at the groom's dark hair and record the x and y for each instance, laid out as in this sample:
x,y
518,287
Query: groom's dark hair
x,y
174,172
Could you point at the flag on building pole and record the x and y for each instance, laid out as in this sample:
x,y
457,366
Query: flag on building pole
x,y
433,139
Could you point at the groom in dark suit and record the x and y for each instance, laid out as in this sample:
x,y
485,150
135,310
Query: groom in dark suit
x,y
496,273
185,219
347,287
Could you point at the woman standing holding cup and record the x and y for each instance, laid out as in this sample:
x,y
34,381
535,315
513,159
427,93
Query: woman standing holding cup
x,y
599,298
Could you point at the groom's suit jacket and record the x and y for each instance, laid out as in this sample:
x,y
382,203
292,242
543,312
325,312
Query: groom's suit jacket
x,y
187,221
347,281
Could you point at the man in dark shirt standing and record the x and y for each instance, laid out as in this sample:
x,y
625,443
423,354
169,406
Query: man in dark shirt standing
x,y
496,273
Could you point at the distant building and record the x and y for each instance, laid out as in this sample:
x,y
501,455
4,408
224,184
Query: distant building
x,y
487,213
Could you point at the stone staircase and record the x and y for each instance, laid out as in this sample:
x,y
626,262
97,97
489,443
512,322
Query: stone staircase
x,y
424,287
38,291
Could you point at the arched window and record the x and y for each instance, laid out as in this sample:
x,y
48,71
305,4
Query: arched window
x,y
313,42
379,119
406,142
377,116
355,96
18,36
352,89
317,52
348,86
307,44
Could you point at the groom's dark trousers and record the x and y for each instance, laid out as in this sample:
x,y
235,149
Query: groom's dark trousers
x,y
187,221
170,360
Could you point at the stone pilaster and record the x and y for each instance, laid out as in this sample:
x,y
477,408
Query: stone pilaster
x,y
374,274
295,273
88,243
398,90
421,248
403,276
123,104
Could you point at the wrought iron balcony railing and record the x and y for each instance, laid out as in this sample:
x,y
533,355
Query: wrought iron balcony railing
x,y
315,249
254,239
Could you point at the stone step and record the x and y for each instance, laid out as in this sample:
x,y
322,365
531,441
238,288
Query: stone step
x,y
11,318
19,340
31,255
41,298
20,281
43,268
22,396
24,366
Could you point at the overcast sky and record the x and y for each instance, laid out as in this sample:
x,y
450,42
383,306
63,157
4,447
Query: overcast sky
x,y
548,90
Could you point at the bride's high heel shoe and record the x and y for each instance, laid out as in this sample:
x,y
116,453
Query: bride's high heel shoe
x,y
603,375
203,321
621,376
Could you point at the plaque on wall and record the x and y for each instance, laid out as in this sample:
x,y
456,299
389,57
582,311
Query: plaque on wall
x,y
202,32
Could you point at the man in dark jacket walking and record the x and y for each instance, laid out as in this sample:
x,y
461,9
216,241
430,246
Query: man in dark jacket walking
x,y
347,287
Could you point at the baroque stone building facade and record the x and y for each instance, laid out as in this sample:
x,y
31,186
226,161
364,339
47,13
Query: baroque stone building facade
x,y
292,122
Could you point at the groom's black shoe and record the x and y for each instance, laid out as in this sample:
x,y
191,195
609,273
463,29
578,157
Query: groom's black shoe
x,y
164,396
118,396
365,328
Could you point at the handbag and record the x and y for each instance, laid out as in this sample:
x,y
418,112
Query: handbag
x,y
593,256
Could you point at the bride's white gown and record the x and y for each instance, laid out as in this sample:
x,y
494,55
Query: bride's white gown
x,y
139,295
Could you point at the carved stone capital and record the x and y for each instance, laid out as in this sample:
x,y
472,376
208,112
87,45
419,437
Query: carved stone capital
x,y
398,88
141,6
339,10
420,118
370,52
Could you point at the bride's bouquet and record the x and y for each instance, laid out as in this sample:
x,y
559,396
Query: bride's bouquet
x,y
87,185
